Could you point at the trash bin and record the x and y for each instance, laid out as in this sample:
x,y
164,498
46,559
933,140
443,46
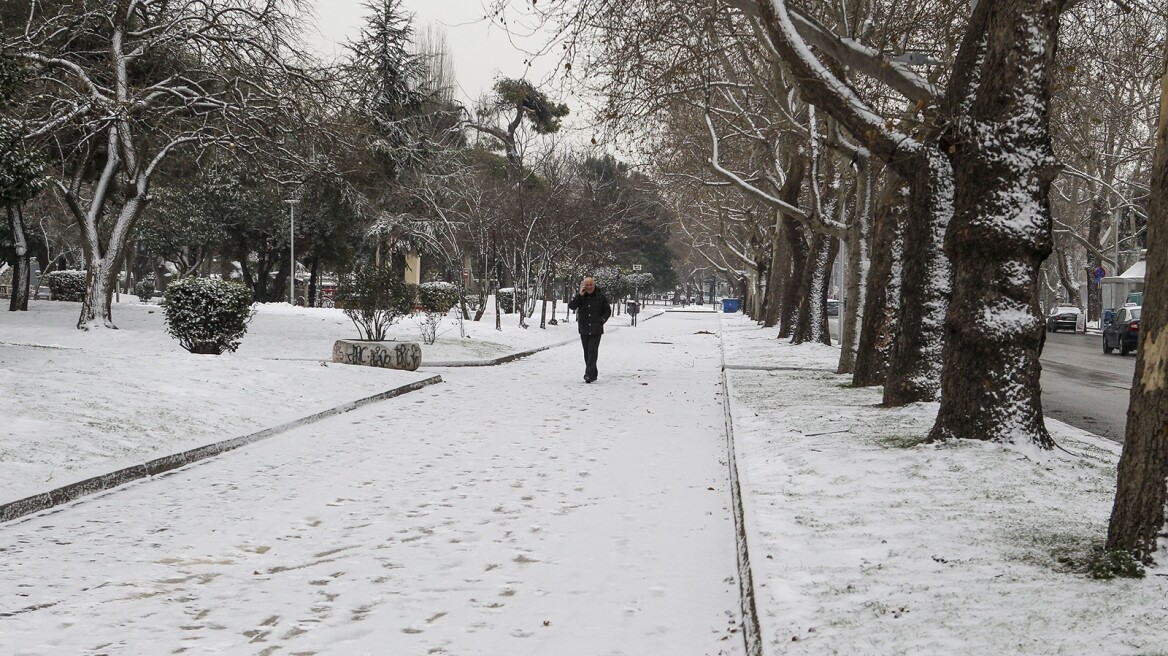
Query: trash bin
x,y
632,307
729,305
1108,315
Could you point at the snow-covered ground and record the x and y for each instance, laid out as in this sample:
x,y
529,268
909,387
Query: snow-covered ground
x,y
865,541
516,510
79,404
510,510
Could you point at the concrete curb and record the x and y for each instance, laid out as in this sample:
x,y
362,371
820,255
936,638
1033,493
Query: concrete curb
x,y
514,356
499,360
713,312
751,630
73,491
767,367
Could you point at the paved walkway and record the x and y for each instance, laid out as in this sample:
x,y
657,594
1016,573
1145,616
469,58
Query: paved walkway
x,y
511,510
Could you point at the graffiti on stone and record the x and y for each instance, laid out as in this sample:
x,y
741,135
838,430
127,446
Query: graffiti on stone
x,y
406,355
409,356
381,357
355,354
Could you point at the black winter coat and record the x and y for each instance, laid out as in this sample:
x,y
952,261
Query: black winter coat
x,y
592,310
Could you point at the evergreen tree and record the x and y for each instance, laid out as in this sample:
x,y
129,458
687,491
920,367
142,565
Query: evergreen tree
x,y
385,78
21,179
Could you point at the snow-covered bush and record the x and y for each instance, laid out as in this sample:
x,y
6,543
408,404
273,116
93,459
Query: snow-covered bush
x,y
436,299
67,285
507,299
640,282
206,315
375,298
145,290
437,296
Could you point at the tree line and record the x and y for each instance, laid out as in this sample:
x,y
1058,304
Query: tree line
x,y
970,161
159,140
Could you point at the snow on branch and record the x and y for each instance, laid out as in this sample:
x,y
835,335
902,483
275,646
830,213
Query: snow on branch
x,y
773,201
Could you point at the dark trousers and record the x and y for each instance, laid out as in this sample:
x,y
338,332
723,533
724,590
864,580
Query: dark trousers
x,y
591,344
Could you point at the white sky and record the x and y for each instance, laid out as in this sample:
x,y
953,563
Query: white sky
x,y
482,52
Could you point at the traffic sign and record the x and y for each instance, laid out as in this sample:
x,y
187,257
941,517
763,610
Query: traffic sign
x,y
1099,273
636,267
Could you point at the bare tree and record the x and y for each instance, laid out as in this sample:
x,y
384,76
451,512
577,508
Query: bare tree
x,y
132,82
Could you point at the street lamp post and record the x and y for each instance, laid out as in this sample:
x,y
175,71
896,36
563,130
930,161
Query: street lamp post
x,y
292,251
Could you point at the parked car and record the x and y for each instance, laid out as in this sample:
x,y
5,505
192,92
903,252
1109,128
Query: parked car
x,y
1065,317
1123,331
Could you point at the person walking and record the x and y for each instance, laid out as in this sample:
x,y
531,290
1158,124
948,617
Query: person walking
x,y
592,311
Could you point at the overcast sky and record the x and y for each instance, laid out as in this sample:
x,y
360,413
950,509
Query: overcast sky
x,y
482,52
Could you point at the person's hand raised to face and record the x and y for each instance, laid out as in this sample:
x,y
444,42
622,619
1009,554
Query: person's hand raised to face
x,y
587,286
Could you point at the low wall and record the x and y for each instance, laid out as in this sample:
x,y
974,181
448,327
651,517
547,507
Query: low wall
x,y
390,355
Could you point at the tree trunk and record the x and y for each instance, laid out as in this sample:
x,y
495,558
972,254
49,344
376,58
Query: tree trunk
x,y
782,250
777,280
798,247
882,298
18,298
1138,521
1069,283
1094,231
811,325
914,363
1001,231
103,265
311,302
101,278
859,259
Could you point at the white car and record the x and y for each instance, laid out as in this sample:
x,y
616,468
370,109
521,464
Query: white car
x,y
1063,316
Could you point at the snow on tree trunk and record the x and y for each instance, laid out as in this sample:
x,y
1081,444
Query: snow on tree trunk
x,y
103,262
882,298
102,274
858,264
914,365
781,279
811,324
1139,519
798,248
1001,231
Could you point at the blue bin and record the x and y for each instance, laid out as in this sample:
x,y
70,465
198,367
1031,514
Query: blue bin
x,y
729,305
1108,315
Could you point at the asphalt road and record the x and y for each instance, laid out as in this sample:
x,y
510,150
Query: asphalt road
x,y
1085,388
1080,385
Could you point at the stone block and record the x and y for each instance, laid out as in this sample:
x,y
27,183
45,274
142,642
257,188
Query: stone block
x,y
391,355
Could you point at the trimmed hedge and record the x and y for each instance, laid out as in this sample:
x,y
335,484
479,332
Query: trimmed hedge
x,y
67,285
206,315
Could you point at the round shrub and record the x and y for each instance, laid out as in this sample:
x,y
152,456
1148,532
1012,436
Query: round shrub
x,y
375,298
144,289
207,315
437,296
67,285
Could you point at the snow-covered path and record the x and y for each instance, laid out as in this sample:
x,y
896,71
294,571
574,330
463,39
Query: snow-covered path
x,y
511,510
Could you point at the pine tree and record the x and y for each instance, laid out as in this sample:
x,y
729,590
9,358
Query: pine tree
x,y
386,80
